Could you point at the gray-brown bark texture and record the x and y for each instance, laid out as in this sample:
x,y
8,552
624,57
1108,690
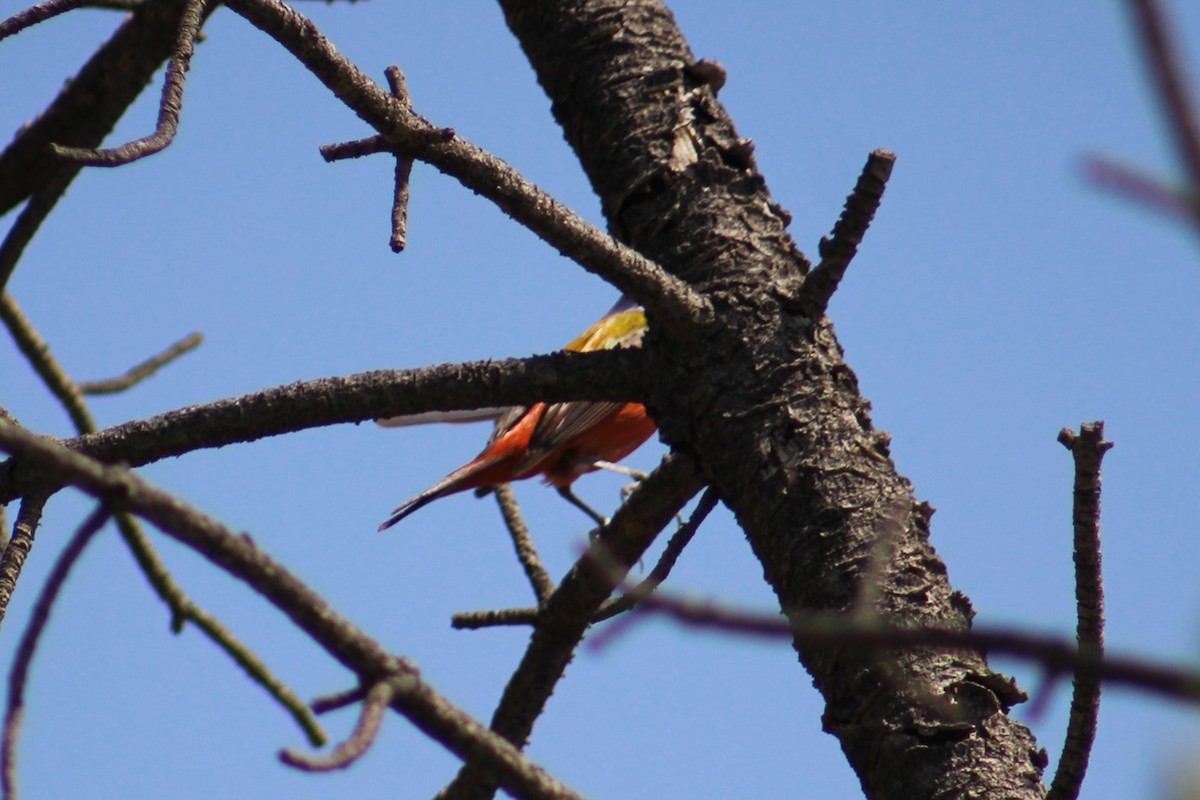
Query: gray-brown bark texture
x,y
765,403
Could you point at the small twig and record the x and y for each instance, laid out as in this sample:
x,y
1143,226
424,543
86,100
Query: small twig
x,y
840,247
37,352
41,203
19,674
474,620
357,148
1170,82
169,105
374,705
38,13
828,630
1088,448
679,540
143,370
332,702
527,554
1137,187
257,671
24,529
404,166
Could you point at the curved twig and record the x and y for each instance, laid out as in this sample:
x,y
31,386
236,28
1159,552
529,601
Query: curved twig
x,y
144,370
38,13
1088,448
369,721
527,554
19,674
169,105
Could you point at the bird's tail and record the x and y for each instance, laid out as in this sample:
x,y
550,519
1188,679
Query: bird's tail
x,y
469,476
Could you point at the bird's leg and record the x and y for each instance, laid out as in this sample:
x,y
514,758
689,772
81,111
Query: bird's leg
x,y
628,472
637,475
569,496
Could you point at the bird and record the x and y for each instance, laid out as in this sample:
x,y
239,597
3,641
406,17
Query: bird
x,y
559,441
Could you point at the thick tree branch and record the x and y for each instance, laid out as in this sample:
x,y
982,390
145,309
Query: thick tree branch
x,y
607,375
764,400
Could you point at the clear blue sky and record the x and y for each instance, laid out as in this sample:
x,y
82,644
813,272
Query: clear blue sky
x,y
996,300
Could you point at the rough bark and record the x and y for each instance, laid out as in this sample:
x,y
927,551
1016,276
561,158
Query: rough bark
x,y
767,405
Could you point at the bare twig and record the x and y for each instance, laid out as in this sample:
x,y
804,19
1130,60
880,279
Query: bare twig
x,y
374,705
236,554
332,702
144,370
679,540
24,529
1088,448
19,674
1170,82
840,248
169,105
404,166
1137,187
567,613
827,630
40,204
669,302
527,554
355,149
38,13
37,352
474,620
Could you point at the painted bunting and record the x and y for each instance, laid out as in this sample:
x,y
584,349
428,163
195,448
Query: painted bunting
x,y
559,441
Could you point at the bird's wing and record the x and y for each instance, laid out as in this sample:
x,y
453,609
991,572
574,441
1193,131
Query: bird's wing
x,y
468,415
